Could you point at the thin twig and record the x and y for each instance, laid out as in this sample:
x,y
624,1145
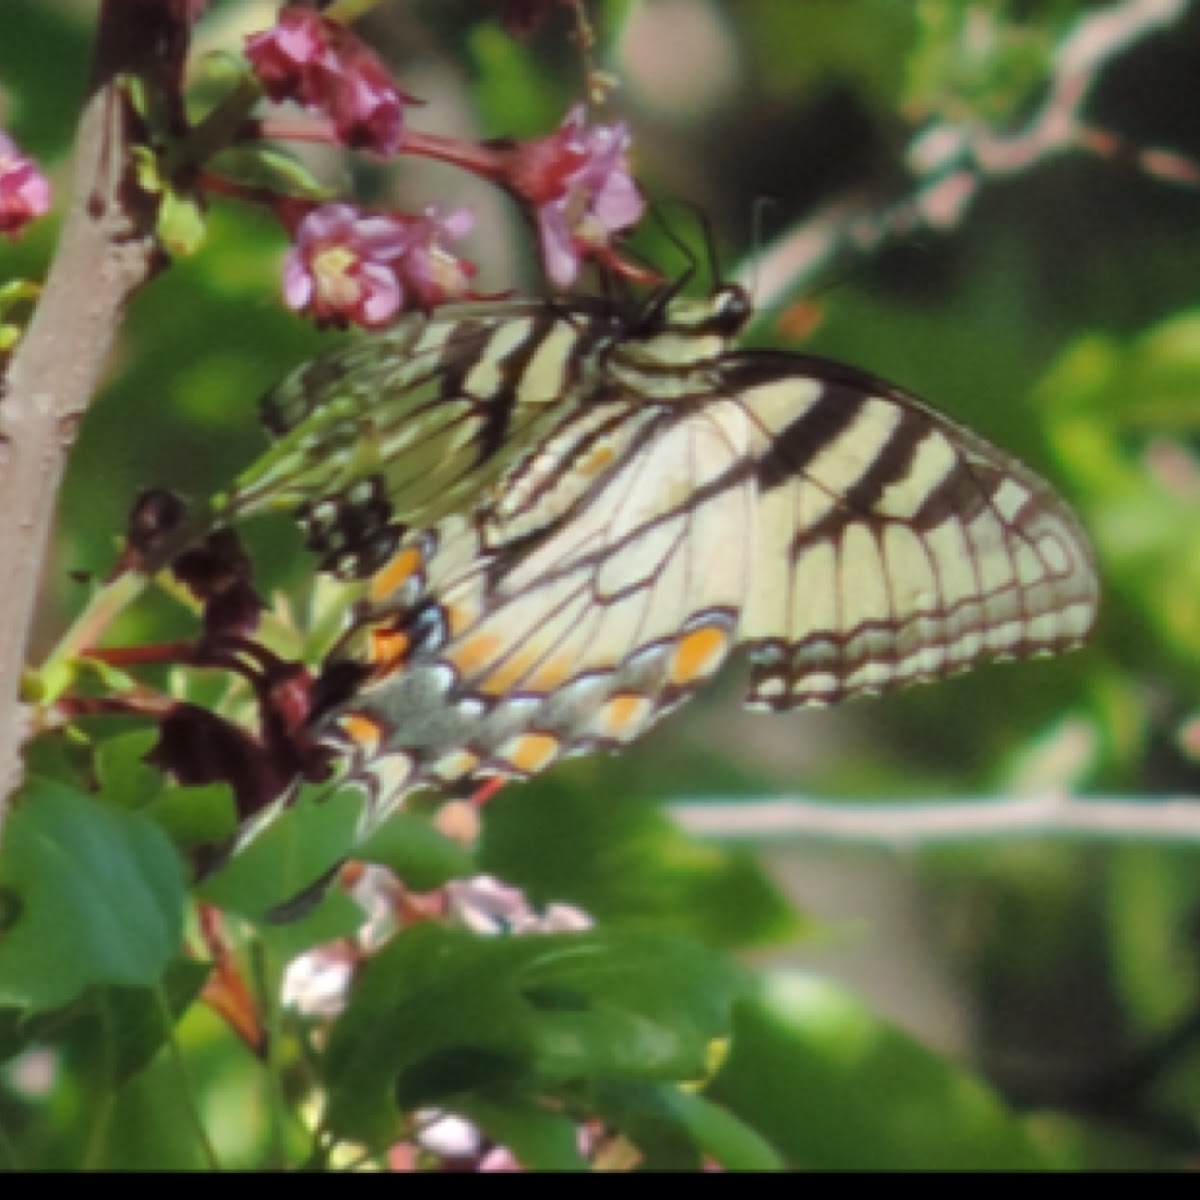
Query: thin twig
x,y
1174,819
953,162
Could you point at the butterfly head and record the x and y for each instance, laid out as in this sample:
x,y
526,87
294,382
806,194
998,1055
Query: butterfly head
x,y
689,331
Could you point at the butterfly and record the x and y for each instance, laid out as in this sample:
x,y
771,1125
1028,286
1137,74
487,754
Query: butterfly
x,y
561,522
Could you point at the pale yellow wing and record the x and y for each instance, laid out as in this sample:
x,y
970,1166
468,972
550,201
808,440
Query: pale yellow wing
x,y
894,546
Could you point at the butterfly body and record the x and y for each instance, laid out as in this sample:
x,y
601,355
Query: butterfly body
x,y
563,524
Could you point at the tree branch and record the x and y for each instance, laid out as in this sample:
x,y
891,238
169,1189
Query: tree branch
x,y
911,826
953,162
107,250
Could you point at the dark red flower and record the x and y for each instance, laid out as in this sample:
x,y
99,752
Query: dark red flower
x,y
322,65
196,747
219,573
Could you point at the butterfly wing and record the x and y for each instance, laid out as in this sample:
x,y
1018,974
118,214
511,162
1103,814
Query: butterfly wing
x,y
399,429
894,545
527,644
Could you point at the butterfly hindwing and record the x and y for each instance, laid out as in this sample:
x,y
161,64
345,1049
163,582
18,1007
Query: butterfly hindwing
x,y
582,635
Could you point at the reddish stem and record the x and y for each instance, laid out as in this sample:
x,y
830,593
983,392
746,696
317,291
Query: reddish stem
x,y
488,160
486,791
175,653
226,992
138,704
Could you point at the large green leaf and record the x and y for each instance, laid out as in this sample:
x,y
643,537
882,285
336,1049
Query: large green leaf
x,y
835,1088
418,853
109,1033
98,895
289,859
441,1012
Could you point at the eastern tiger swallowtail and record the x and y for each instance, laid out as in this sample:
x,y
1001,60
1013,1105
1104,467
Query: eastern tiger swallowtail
x,y
564,523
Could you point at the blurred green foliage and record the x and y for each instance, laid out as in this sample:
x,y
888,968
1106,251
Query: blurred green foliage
x,y
1059,318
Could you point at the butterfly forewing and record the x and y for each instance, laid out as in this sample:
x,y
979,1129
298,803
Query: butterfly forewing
x,y
405,428
895,546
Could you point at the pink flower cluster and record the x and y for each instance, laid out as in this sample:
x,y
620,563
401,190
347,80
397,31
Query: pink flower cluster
x,y
24,190
326,68
347,267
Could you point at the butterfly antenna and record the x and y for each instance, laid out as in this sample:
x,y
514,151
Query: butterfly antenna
x,y
662,298
685,251
758,216
715,274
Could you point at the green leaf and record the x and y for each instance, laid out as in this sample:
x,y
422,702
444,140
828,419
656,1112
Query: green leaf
x,y
268,167
1103,396
1149,903
125,777
111,1033
729,1140
294,852
835,1089
100,894
195,816
441,1012
540,1140
586,836
673,1127
512,88
419,854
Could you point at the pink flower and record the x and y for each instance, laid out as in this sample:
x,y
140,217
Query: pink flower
x,y
341,269
24,190
432,272
326,68
345,267
578,180
366,107
291,58
485,905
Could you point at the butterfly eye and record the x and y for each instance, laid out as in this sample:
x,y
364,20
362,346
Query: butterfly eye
x,y
731,310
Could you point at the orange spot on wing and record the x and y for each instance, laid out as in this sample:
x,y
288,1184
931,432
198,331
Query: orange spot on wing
x,y
475,653
552,674
622,711
531,752
698,654
395,574
596,461
388,648
458,617
363,731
